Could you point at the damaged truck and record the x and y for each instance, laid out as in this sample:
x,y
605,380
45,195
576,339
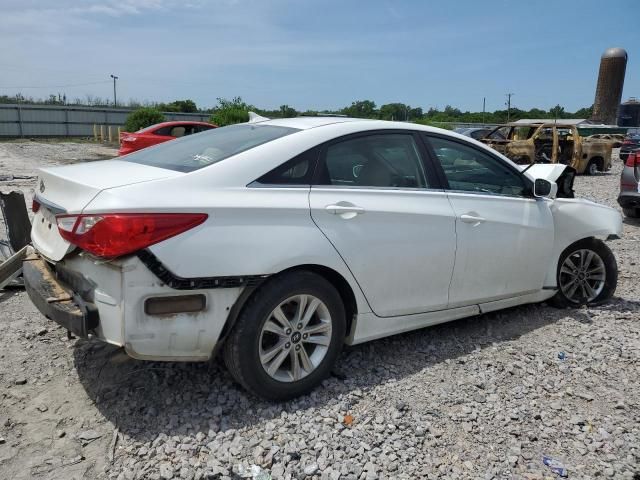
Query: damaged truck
x,y
551,143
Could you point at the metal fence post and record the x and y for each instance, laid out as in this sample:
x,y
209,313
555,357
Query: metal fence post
x,y
20,120
66,120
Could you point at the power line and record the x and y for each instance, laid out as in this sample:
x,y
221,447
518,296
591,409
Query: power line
x,y
57,86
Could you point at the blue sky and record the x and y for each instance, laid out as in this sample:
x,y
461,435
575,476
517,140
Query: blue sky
x,y
316,55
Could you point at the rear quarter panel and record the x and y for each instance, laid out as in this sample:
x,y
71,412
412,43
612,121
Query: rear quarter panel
x,y
250,231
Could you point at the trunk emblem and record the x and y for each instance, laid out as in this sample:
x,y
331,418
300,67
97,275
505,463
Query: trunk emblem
x,y
42,187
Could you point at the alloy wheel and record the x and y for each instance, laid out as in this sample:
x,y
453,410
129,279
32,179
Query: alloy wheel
x,y
295,338
582,276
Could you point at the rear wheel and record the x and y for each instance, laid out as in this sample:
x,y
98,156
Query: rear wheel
x,y
631,212
587,274
287,337
592,168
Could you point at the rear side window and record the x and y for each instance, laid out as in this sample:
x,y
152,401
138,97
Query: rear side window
x,y
164,131
378,160
297,171
198,151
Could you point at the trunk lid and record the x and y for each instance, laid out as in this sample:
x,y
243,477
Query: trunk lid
x,y
69,189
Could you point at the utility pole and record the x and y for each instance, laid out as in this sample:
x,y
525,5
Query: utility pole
x,y
509,107
484,103
115,98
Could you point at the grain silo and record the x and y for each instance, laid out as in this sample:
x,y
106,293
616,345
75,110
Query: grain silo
x,y
610,82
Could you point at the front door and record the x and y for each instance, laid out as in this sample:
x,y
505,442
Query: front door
x,y
373,201
504,236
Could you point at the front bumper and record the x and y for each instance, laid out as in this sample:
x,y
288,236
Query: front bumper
x,y
56,300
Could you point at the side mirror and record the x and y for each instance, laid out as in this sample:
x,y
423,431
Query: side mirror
x,y
543,188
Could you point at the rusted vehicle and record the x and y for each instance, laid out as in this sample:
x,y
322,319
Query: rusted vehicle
x,y
551,143
615,138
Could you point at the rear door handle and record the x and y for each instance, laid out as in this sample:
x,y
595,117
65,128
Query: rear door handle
x,y
471,218
340,209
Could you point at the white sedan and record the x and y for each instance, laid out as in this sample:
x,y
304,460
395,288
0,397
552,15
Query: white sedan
x,y
276,242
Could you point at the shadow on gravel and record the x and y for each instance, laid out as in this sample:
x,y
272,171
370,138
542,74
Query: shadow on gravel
x,y
8,293
631,221
144,399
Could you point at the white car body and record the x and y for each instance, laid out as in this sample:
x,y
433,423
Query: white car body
x,y
413,258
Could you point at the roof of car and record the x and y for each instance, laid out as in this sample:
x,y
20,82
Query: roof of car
x,y
304,123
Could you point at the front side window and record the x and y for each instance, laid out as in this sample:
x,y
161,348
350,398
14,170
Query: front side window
x,y
470,170
198,151
381,160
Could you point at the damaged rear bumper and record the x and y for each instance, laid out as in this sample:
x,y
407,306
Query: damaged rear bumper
x,y
56,300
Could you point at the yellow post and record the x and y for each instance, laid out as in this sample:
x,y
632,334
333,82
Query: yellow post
x,y
102,133
110,134
95,132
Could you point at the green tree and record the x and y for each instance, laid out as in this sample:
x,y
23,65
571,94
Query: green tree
x,y
557,112
536,113
228,112
287,112
185,106
141,118
361,109
395,111
415,113
586,112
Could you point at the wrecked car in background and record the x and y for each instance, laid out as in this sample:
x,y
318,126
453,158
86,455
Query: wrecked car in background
x,y
616,139
552,143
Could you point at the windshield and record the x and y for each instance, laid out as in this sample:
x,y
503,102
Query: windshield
x,y
197,151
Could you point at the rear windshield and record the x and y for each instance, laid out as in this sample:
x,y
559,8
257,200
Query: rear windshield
x,y
198,151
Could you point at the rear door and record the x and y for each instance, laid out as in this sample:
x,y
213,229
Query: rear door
x,y
504,235
382,210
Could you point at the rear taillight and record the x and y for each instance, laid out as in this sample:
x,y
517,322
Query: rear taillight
x,y
633,160
35,206
129,138
115,234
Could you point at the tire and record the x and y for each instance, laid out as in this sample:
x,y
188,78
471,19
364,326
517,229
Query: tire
x,y
600,289
592,168
254,337
631,212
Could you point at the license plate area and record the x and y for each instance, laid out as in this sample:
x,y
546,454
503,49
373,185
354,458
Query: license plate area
x,y
46,237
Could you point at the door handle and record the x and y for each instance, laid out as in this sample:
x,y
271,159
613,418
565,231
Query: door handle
x,y
472,218
340,209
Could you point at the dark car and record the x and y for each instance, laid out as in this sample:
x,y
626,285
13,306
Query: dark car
x,y
629,198
631,144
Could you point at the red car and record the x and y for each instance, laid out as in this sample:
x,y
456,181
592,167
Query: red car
x,y
158,133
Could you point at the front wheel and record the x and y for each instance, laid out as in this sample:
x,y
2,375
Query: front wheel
x,y
587,274
288,336
592,168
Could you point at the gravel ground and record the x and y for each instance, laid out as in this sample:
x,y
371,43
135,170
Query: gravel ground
x,y
486,397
